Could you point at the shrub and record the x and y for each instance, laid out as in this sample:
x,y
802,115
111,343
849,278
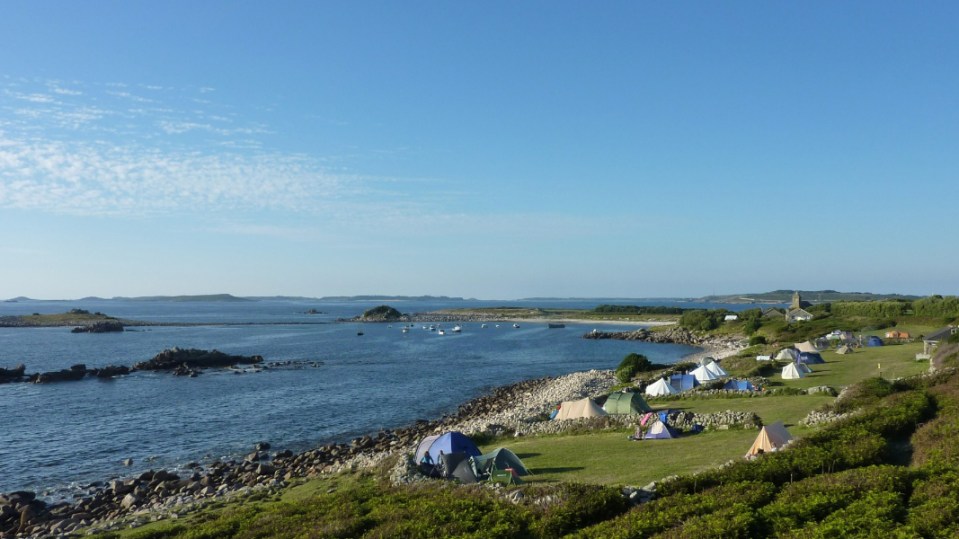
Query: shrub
x,y
581,506
757,339
634,364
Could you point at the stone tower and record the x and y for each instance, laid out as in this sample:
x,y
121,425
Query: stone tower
x,y
797,301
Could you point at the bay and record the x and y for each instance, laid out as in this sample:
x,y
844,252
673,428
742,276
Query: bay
x,y
55,438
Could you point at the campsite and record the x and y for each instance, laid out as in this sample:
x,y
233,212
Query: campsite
x,y
585,464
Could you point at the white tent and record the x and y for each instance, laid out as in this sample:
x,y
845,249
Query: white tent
x,y
660,388
788,354
706,360
791,372
703,374
659,431
806,347
771,438
714,368
577,409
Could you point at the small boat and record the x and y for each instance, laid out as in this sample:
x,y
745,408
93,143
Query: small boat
x,y
432,328
456,329
406,330
497,325
515,325
483,326
552,325
441,332
359,333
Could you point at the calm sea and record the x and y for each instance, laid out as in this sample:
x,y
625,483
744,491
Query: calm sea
x,y
57,437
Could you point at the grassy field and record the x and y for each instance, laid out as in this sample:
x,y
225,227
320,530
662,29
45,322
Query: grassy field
x,y
609,458
897,361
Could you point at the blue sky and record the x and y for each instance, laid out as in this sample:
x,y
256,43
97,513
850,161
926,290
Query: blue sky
x,y
491,149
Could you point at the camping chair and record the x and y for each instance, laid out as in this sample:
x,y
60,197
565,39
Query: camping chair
x,y
504,477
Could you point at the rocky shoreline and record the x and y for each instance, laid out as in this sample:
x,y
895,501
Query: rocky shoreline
x,y
518,409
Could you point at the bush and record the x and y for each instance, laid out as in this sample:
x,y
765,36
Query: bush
x,y
757,339
634,364
581,506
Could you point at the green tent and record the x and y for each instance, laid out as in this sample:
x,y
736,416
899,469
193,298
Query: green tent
x,y
499,459
627,402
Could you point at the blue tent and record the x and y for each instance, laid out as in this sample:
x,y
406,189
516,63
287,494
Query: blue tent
x,y
739,385
810,358
683,382
451,442
874,341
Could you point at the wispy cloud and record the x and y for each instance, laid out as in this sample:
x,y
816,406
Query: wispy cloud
x,y
101,178
101,149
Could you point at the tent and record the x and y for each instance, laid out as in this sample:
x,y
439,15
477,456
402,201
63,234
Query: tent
x,y
659,431
791,372
500,459
660,388
811,358
714,368
578,409
771,438
806,347
703,374
683,382
874,341
739,385
450,442
788,354
803,368
626,402
464,472
844,349
707,360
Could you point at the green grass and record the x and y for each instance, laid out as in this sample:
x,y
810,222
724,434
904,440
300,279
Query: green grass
x,y
609,458
789,409
897,361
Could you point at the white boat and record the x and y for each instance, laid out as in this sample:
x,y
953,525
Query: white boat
x,y
483,326
441,332
406,330
456,329
515,325
432,328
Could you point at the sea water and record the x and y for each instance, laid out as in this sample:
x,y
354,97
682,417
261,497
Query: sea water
x,y
54,438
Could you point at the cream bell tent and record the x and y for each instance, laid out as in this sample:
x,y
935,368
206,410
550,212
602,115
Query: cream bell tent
x,y
660,388
771,438
788,354
844,349
806,347
714,368
579,409
703,374
791,372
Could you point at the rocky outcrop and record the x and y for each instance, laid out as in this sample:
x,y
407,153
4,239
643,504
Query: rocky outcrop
x,y
75,372
383,313
673,335
106,326
177,358
12,375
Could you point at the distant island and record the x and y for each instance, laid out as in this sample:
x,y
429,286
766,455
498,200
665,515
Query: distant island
x,y
391,298
814,296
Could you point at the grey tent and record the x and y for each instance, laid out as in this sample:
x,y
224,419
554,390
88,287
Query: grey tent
x,y
500,459
449,461
627,402
464,472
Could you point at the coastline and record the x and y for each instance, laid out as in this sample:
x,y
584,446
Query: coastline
x,y
511,410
